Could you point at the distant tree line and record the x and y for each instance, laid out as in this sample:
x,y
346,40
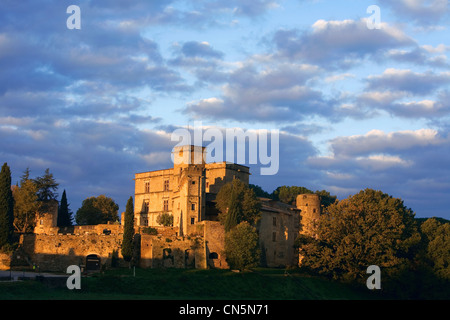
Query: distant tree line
x,y
288,194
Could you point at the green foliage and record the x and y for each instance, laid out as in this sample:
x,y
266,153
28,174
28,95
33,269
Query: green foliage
x,y
64,213
259,192
150,231
46,186
237,202
128,232
289,194
437,246
26,204
242,247
6,208
97,210
369,228
234,214
326,199
165,219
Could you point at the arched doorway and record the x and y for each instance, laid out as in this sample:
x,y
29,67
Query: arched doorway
x,y
92,262
213,255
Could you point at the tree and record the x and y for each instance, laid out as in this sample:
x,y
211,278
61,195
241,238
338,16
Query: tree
x,y
234,214
128,232
369,228
242,247
437,246
259,192
46,186
6,208
326,199
97,210
289,194
165,219
236,202
26,204
64,213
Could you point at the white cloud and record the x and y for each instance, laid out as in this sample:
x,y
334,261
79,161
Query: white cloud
x,y
421,12
382,161
339,43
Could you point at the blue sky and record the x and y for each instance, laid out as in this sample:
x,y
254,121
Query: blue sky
x,y
356,107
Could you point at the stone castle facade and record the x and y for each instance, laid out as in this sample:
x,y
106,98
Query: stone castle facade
x,y
185,192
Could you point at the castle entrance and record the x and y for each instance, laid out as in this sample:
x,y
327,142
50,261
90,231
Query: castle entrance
x,y
92,262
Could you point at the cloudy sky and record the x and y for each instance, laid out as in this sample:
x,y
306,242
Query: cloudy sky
x,y
355,106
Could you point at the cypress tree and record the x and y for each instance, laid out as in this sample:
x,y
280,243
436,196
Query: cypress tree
x,y
6,207
128,232
234,214
64,213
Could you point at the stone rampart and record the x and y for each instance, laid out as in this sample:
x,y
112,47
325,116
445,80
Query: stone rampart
x,y
57,252
172,252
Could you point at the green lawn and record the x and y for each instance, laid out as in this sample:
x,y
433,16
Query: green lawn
x,y
191,284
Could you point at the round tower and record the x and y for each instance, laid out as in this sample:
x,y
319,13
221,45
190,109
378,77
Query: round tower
x,y
310,207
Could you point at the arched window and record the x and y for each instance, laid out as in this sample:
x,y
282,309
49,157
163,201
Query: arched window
x,y
213,255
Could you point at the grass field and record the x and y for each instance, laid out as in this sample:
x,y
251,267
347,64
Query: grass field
x,y
190,284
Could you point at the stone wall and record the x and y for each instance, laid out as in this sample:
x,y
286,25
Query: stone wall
x,y
47,220
5,261
278,228
310,207
214,234
172,252
57,252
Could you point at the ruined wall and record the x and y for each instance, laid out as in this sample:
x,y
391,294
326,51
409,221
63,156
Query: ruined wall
x,y
172,252
57,252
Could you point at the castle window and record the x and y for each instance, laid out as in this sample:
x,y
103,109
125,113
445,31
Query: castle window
x,y
147,187
274,221
192,220
166,185
314,210
193,206
274,236
166,205
193,182
146,206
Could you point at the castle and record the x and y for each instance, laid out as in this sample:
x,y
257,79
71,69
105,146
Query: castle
x,y
195,239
